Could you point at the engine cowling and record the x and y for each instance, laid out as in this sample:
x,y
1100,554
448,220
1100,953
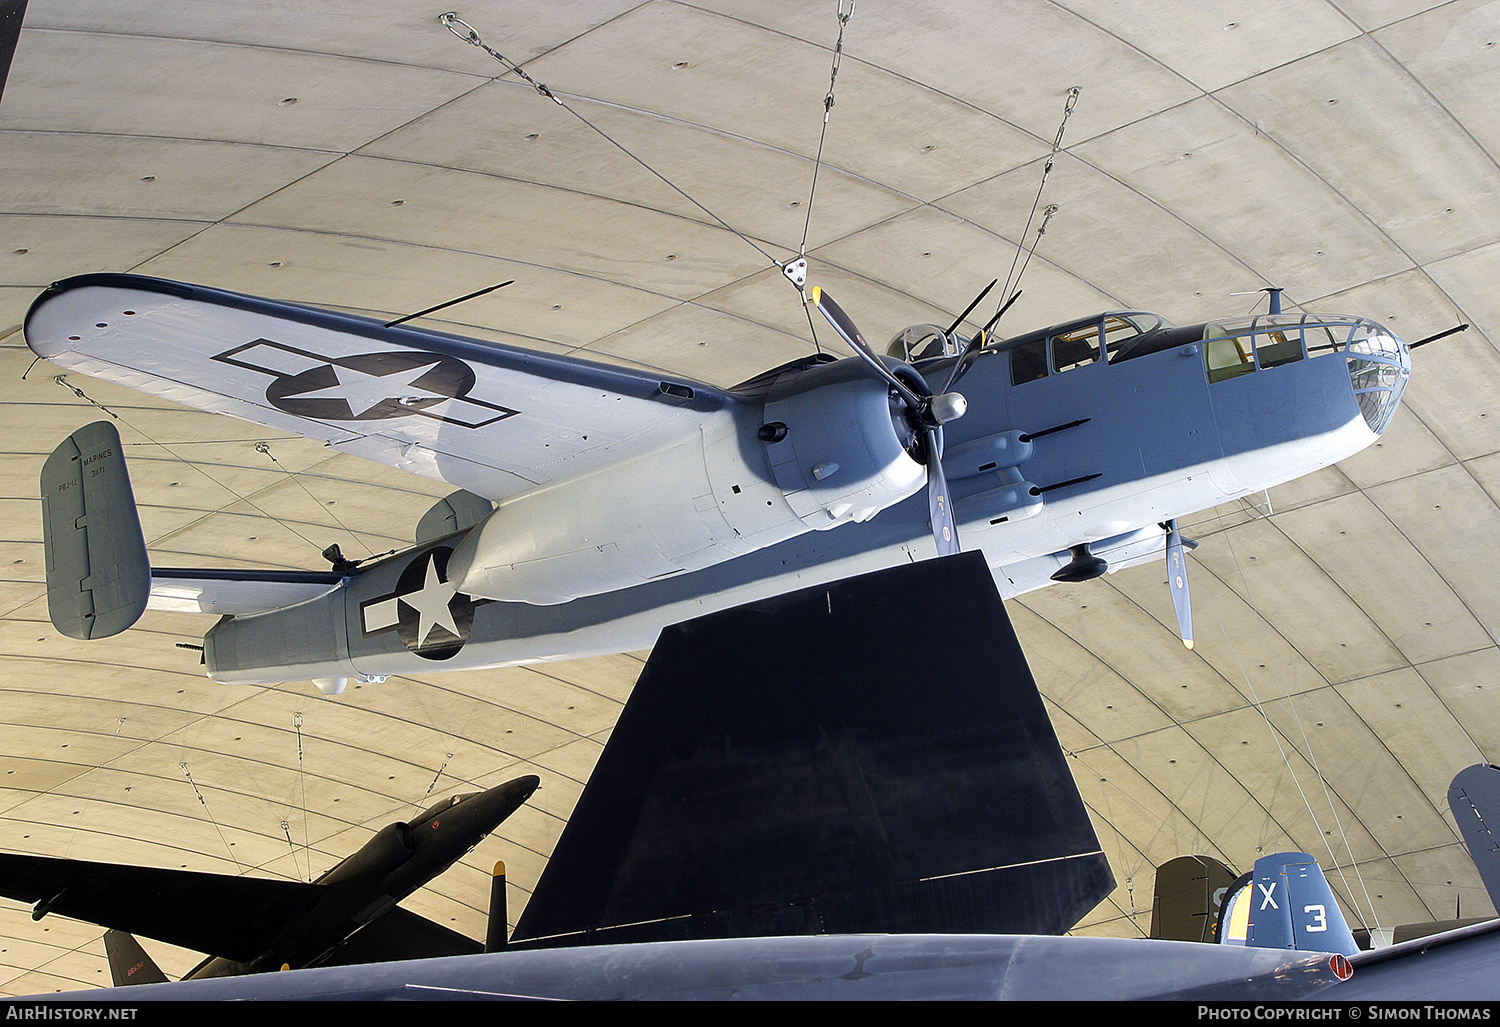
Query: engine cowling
x,y
821,446
847,450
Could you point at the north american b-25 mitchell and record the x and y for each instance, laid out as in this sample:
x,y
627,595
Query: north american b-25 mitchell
x,y
599,503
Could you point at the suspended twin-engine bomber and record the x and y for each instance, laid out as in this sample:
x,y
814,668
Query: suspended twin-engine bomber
x,y
600,503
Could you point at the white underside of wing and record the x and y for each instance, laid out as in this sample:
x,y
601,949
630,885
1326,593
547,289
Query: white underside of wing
x,y
495,420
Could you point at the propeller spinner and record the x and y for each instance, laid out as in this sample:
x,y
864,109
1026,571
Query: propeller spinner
x,y
929,413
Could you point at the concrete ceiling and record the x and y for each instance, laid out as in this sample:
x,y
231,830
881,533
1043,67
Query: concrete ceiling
x,y
361,157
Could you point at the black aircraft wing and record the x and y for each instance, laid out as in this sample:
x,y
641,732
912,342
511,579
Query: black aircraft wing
x,y
235,917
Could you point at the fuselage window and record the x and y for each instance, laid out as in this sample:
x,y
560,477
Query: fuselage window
x,y
1075,348
1028,362
1229,358
1276,348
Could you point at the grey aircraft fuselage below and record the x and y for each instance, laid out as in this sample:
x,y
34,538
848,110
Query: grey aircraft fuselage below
x,y
627,500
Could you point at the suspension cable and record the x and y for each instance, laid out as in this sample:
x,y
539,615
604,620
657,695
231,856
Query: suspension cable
x,y
182,765
1374,917
470,36
828,101
62,381
1012,279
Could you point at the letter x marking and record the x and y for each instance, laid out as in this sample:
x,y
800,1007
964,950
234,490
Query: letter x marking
x,y
1267,891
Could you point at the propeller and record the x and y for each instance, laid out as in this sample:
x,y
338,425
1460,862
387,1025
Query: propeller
x,y
1178,582
930,412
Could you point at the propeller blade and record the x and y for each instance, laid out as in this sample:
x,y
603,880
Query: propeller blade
x,y
939,502
844,325
1178,582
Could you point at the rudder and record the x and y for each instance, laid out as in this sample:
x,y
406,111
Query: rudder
x,y
98,575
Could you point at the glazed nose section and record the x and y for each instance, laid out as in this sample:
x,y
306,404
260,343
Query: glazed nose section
x,y
1379,367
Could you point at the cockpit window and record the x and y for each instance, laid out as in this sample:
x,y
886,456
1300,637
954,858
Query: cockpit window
x,y
924,342
1237,347
1379,363
1028,361
1079,344
432,811
1125,332
1227,356
1075,348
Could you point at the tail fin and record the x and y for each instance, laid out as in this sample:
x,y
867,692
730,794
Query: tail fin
x,y
98,577
128,962
1189,893
1286,903
796,766
1474,798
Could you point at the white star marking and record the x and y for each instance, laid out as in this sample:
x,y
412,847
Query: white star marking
x,y
431,604
363,392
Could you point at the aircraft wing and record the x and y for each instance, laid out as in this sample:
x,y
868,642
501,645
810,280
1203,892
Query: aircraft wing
x,y
236,917
494,419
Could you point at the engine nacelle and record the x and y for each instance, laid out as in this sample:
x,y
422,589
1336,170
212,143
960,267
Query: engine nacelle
x,y
825,446
840,448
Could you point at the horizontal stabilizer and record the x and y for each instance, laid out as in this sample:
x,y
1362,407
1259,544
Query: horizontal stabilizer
x,y
98,577
829,761
235,592
1286,903
235,917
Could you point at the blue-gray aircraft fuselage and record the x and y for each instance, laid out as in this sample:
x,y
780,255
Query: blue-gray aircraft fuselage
x,y
600,503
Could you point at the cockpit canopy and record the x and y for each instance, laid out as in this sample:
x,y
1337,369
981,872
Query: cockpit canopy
x,y
1379,362
1117,334
924,342
439,808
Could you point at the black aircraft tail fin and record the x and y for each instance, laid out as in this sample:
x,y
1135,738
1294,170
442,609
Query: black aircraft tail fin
x,y
12,13
1189,891
1474,798
836,760
128,962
